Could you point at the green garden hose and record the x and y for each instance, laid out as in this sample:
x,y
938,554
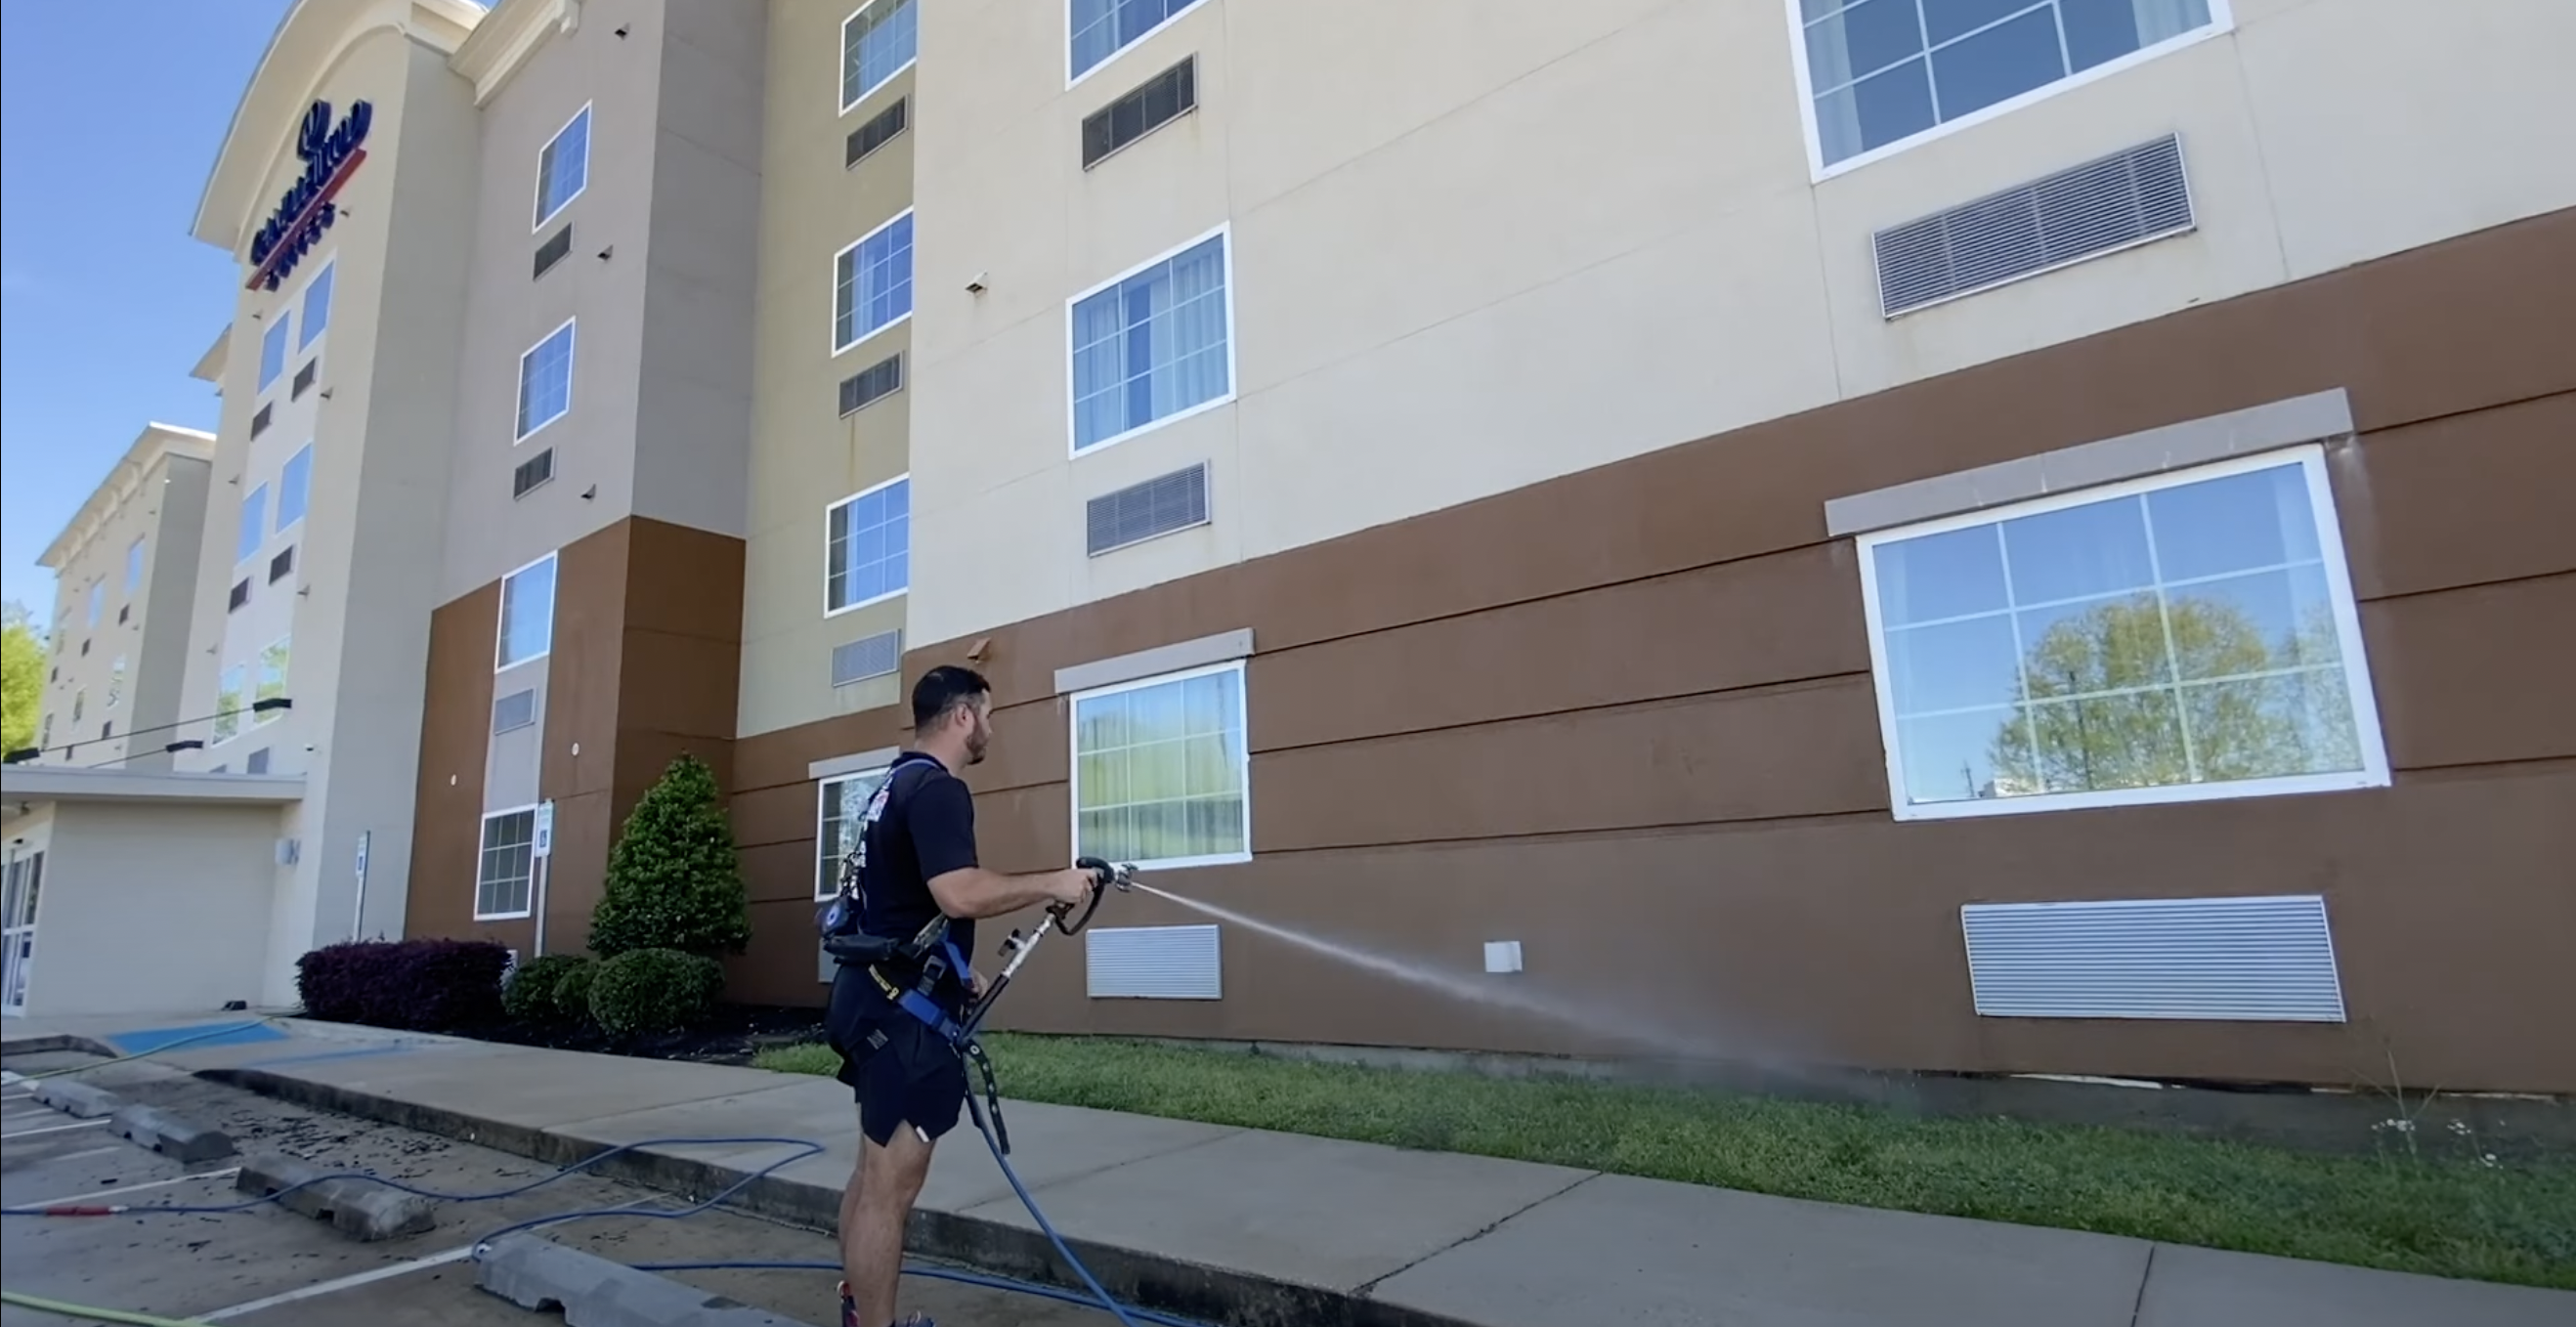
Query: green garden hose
x,y
83,1311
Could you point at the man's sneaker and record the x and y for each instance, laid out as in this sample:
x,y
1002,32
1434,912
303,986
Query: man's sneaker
x,y
850,1313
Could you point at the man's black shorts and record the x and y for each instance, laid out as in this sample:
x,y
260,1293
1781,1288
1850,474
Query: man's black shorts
x,y
901,1072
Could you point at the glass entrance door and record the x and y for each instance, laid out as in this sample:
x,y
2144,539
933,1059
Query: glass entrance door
x,y
26,878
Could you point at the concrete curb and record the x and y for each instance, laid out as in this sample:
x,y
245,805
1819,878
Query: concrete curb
x,y
171,1136
78,1100
1139,1277
43,1044
592,1291
362,1211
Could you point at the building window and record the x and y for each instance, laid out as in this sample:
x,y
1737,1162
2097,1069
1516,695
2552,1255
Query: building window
x,y
80,703
1103,28
1161,774
116,683
96,598
867,549
872,283
1153,345
842,802
527,613
1881,72
317,305
272,350
2177,638
294,487
229,704
507,866
563,168
272,679
133,567
254,519
545,381
878,42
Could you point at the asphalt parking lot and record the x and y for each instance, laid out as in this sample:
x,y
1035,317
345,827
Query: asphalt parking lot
x,y
272,1268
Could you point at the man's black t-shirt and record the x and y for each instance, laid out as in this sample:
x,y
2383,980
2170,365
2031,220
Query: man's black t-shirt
x,y
927,830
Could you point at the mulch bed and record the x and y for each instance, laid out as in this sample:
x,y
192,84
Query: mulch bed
x,y
735,1034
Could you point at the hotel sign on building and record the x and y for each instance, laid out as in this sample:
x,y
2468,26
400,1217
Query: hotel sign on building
x,y
331,154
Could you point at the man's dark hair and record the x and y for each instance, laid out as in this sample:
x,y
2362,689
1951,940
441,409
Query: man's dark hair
x,y
943,689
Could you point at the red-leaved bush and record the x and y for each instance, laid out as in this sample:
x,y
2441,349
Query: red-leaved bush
x,y
415,985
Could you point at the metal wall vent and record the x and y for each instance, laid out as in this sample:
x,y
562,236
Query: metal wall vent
x,y
1140,512
303,379
872,384
2116,202
516,710
1153,963
259,419
1165,97
258,764
240,596
280,565
2265,959
880,130
557,247
533,471
866,657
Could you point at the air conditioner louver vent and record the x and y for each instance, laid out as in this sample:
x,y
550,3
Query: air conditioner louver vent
x,y
516,710
1140,512
866,657
258,764
2242,959
872,384
533,471
240,596
280,565
877,132
1154,963
557,247
1165,97
259,419
2116,202
303,379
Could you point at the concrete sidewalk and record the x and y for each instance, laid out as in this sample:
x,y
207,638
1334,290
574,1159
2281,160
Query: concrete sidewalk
x,y
1244,1226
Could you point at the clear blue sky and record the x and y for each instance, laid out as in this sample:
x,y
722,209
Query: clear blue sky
x,y
105,300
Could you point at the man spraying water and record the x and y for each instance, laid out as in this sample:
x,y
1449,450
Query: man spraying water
x,y
902,928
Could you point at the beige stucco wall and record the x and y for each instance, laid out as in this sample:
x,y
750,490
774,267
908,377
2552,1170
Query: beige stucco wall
x,y
144,625
153,908
805,456
357,607
1461,267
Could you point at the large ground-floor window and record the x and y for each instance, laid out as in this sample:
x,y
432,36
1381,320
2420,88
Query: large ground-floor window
x,y
504,879
1161,770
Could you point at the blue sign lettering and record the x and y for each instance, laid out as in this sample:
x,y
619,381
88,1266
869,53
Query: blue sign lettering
x,y
329,152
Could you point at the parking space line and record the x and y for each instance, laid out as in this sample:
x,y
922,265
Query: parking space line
x,y
81,1156
59,1128
138,1188
344,1283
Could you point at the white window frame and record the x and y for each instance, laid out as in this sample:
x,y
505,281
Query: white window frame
x,y
482,849
2363,699
305,336
537,191
240,703
856,604
283,330
858,336
1233,372
1073,749
285,644
827,870
501,624
277,524
572,363
841,54
2222,21
1073,80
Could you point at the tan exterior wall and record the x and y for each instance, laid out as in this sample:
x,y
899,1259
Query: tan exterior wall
x,y
1444,287
122,672
202,875
805,454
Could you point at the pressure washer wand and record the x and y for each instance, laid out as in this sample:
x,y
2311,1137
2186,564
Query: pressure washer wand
x,y
1104,877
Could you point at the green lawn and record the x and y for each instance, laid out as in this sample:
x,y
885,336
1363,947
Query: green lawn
x,y
2447,1215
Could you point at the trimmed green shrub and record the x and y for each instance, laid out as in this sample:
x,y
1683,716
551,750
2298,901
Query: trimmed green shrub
x,y
533,994
646,991
674,881
572,993
423,985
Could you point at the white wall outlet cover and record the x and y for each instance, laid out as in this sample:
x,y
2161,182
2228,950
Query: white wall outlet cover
x,y
1502,956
